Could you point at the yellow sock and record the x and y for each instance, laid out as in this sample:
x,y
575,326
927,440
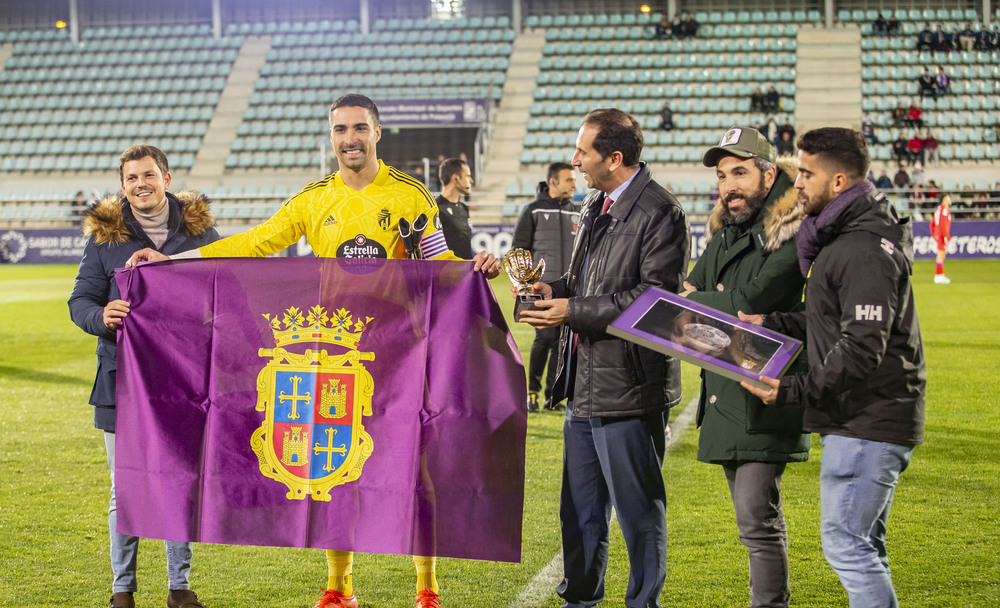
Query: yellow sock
x,y
425,573
339,567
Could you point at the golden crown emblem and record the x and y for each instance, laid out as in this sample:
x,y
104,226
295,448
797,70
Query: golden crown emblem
x,y
316,326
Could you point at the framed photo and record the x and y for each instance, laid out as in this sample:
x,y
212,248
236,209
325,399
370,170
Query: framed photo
x,y
706,337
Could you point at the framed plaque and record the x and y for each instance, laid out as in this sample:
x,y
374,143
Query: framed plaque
x,y
708,338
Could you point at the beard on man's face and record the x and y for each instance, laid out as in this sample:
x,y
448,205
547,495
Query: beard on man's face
x,y
753,203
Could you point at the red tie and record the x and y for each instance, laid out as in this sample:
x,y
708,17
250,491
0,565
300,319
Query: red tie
x,y
607,205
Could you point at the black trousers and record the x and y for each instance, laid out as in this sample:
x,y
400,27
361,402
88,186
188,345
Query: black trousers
x,y
545,349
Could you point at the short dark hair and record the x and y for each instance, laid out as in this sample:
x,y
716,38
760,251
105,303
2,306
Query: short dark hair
x,y
139,152
616,131
450,167
356,100
844,150
555,169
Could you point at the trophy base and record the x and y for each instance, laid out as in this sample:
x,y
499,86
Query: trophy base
x,y
524,302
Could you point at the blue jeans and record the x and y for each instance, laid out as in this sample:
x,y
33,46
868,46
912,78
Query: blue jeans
x,y
125,549
857,481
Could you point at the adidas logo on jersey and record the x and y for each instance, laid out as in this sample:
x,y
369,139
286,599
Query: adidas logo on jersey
x,y
330,221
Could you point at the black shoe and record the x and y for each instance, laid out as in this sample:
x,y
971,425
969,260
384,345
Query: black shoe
x,y
532,402
183,598
122,599
554,407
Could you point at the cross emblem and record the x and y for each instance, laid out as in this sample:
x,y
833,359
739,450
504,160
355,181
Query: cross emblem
x,y
294,397
329,449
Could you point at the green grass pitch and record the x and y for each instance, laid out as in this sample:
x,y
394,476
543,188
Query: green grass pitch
x,y
944,535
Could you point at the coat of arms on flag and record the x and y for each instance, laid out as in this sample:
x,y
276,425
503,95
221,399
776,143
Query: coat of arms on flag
x,y
313,436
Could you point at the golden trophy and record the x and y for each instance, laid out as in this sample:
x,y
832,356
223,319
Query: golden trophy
x,y
517,264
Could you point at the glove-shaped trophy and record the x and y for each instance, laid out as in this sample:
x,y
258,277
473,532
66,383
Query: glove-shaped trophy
x,y
517,265
410,235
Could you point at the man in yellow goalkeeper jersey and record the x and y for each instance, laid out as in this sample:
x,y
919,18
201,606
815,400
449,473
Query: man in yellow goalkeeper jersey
x,y
353,213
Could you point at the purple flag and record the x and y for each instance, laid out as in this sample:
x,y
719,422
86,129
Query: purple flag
x,y
365,405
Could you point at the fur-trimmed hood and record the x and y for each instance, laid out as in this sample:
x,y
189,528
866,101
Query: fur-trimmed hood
x,y
105,221
781,217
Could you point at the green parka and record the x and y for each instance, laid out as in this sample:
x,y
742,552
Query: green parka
x,y
756,272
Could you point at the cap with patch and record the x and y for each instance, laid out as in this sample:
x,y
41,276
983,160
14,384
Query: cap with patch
x,y
743,142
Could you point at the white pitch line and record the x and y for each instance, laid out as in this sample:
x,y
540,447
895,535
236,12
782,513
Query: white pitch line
x,y
540,588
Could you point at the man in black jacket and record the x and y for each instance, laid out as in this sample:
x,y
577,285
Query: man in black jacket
x,y
456,180
864,391
546,228
633,234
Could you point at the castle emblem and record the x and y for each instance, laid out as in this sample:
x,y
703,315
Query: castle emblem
x,y
314,392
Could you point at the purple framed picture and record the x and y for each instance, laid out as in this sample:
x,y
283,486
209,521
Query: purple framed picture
x,y
713,340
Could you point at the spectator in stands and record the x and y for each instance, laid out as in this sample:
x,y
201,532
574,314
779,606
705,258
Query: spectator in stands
x,y
771,131
883,182
666,117
142,215
757,100
930,148
914,116
677,26
547,228
995,38
435,172
462,156
453,213
79,204
899,115
772,101
901,179
690,27
787,127
967,38
953,40
893,26
983,38
993,200
982,202
662,29
917,200
927,88
915,148
331,213
941,82
942,41
932,189
868,130
880,26
418,174
917,177
785,145
961,204
899,149
925,39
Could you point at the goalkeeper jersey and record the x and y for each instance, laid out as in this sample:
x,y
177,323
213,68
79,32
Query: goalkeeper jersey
x,y
343,223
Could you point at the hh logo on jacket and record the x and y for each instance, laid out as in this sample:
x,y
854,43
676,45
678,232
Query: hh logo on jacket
x,y
867,312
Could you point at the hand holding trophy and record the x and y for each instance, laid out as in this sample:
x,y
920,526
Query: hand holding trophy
x,y
517,265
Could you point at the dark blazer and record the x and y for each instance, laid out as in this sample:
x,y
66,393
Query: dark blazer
x,y
643,241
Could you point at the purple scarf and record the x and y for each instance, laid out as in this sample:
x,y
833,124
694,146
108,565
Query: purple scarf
x,y
807,242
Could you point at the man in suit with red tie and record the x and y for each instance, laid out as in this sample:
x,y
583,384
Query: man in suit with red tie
x,y
633,234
